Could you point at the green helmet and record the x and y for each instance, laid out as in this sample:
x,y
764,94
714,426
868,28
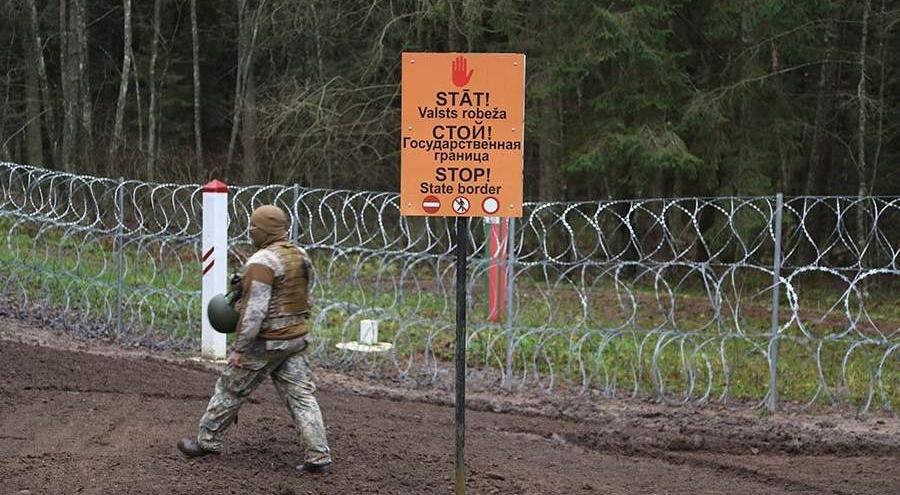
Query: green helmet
x,y
222,315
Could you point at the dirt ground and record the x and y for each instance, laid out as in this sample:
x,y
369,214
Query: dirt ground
x,y
94,419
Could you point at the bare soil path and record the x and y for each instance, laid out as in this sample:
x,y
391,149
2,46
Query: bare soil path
x,y
90,422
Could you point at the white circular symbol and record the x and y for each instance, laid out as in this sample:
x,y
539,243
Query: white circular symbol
x,y
461,205
490,205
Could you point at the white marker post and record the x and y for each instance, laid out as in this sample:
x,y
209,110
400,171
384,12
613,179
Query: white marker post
x,y
214,262
368,332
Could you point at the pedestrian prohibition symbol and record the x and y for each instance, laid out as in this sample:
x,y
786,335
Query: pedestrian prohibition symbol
x,y
461,205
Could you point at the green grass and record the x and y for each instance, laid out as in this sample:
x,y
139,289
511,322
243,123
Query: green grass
x,y
614,355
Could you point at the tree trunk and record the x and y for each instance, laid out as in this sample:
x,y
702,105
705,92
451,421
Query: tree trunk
x,y
820,134
879,133
238,81
248,31
252,173
35,139
745,149
549,122
37,50
139,109
68,82
84,81
783,182
123,81
320,62
549,147
830,177
5,155
454,37
152,126
862,97
195,48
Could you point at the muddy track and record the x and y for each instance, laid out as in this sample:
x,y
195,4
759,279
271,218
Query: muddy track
x,y
79,422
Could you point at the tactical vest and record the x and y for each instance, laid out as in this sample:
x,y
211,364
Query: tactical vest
x,y
289,303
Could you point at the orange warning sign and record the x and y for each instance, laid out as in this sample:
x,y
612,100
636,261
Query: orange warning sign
x,y
462,136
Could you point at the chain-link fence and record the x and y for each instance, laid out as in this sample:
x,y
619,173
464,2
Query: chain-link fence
x,y
671,297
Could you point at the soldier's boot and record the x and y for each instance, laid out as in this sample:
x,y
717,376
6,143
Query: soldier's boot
x,y
190,448
308,467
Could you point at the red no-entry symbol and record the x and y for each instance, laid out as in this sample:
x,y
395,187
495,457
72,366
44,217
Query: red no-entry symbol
x,y
431,204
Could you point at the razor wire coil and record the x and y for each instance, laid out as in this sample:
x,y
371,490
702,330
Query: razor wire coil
x,y
667,296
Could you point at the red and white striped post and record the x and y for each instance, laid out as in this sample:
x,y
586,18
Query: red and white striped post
x,y
497,244
214,262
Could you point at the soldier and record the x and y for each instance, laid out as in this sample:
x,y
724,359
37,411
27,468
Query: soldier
x,y
271,338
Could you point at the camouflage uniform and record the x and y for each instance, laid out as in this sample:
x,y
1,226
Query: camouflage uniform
x,y
271,340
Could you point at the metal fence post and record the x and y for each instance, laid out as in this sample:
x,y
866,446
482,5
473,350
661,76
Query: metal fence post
x,y
462,259
120,255
295,221
776,306
510,294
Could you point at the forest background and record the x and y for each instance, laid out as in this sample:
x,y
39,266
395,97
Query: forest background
x,y
628,98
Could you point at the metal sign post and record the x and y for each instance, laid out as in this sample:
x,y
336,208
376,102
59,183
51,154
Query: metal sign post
x,y
462,248
461,155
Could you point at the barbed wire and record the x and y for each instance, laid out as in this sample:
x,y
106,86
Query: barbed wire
x,y
671,297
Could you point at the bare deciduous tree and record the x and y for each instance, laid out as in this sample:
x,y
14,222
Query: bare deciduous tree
x,y
4,108
38,53
84,82
883,34
862,97
68,84
34,138
152,137
251,172
249,20
123,81
195,50
823,103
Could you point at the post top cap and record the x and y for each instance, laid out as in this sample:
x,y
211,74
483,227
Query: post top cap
x,y
215,186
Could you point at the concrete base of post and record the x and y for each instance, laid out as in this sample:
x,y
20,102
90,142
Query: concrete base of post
x,y
365,348
368,339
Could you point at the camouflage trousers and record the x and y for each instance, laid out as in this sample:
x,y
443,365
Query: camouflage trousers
x,y
293,381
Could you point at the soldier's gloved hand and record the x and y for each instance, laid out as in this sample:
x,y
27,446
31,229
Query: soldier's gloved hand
x,y
237,287
234,359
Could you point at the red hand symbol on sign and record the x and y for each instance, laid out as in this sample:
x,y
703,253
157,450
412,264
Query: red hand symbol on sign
x,y
460,77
